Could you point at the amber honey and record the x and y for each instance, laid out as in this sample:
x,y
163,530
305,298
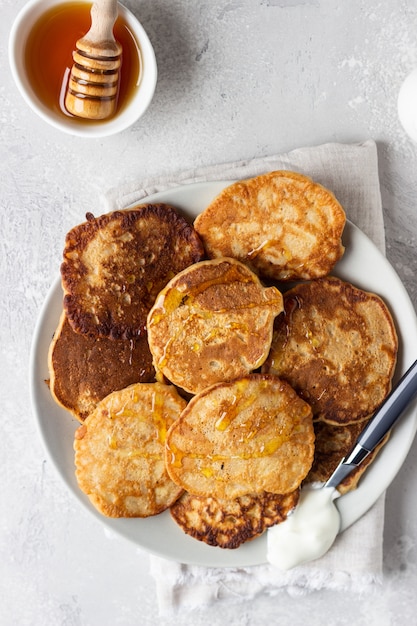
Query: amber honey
x,y
48,54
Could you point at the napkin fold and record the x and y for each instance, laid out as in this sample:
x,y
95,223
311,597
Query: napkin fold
x,y
354,563
349,170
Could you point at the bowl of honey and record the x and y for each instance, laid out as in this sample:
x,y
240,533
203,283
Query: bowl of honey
x,y
41,43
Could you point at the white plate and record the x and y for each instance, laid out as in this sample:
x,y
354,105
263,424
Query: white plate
x,y
364,266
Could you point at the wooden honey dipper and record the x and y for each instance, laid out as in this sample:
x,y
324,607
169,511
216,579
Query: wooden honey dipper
x,y
93,85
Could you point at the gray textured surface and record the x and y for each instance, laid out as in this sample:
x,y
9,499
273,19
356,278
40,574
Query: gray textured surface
x,y
237,79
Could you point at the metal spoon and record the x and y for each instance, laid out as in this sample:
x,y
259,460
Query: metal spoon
x,y
384,419
311,529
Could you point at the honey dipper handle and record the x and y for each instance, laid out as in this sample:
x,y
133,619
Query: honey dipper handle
x,y
103,17
93,84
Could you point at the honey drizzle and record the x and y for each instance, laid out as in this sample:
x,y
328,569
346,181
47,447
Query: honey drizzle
x,y
157,409
169,302
178,456
237,405
158,416
175,297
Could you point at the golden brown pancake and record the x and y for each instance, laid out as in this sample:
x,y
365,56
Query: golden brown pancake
x,y
115,265
336,345
229,523
247,436
282,224
212,322
332,444
119,451
83,371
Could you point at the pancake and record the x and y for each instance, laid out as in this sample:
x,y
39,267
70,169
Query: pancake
x,y
119,451
281,224
212,322
247,436
229,523
336,345
332,444
83,371
115,265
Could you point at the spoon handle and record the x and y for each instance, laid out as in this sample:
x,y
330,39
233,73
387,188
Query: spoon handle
x,y
384,419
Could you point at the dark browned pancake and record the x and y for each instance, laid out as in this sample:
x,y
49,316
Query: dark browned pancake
x,y
116,264
337,346
281,224
331,445
83,371
229,523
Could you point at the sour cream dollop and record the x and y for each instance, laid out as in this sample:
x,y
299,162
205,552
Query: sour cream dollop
x,y
308,532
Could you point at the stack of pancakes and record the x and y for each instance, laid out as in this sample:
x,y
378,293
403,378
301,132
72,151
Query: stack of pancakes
x,y
113,268
336,345
203,383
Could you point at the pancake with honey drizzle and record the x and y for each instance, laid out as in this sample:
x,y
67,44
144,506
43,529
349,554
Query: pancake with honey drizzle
x,y
331,445
119,451
229,523
336,345
115,265
83,371
247,436
212,322
282,224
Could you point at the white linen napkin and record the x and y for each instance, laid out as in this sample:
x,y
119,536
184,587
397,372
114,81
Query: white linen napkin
x,y
355,560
